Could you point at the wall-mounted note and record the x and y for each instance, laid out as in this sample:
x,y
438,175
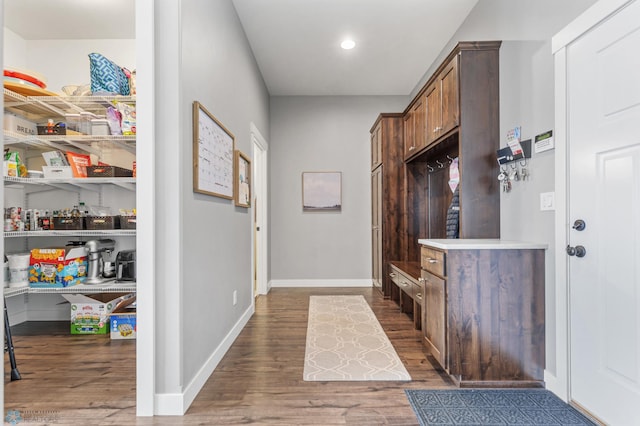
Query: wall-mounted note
x,y
213,147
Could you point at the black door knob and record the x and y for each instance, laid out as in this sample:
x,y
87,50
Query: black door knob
x,y
579,225
577,251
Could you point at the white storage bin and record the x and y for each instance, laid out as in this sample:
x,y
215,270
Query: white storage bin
x,y
57,172
14,123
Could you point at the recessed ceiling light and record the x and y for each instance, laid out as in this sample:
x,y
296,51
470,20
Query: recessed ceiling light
x,y
348,44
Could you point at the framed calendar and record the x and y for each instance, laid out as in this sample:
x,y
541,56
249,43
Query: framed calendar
x,y
213,155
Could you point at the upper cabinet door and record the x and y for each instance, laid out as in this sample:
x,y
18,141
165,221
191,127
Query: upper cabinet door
x,y
450,106
415,137
442,102
434,111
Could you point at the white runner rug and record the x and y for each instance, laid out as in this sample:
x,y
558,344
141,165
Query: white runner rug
x,y
346,342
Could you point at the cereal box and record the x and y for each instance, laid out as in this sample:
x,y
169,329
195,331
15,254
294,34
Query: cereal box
x,y
57,267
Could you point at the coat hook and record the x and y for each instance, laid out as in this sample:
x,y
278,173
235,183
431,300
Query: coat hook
x,y
440,165
431,169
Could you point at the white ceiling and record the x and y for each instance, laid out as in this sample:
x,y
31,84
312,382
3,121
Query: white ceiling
x,y
296,43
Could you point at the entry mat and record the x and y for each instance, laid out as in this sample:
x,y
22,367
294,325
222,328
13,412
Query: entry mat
x,y
493,407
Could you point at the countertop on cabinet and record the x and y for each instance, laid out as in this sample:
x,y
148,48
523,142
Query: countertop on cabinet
x,y
480,244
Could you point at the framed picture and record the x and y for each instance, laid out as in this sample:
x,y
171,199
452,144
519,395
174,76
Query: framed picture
x,y
213,148
242,180
321,191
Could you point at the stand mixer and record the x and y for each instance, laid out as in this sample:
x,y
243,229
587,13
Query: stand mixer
x,y
94,249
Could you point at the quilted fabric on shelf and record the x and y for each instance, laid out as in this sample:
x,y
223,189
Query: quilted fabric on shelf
x,y
107,76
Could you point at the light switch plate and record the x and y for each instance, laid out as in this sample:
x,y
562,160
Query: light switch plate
x,y
547,201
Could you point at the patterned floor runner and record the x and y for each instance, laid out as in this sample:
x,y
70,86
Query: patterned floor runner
x,y
346,342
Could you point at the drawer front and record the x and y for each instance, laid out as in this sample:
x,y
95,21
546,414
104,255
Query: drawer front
x,y
406,285
433,261
395,275
418,293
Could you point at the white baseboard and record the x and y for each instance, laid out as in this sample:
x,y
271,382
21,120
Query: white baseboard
x,y
176,404
322,283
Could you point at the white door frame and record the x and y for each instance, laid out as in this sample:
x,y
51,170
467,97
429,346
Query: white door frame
x,y
145,204
260,186
558,381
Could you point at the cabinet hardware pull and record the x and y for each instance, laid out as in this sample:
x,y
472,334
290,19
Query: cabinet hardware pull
x,y
411,148
419,296
421,279
432,260
392,274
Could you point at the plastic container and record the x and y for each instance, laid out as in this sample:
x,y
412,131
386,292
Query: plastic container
x,y
100,127
19,269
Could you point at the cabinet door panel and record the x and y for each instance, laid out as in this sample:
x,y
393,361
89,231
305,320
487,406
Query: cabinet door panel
x,y
435,318
434,111
449,86
419,122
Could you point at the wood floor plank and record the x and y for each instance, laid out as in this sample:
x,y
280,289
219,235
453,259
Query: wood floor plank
x,y
84,380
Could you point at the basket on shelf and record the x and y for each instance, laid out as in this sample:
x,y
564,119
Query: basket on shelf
x,y
108,171
97,223
127,222
64,223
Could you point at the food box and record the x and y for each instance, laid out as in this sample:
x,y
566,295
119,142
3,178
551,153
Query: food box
x,y
90,313
123,323
57,267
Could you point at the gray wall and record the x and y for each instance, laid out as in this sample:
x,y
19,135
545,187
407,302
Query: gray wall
x,y
204,242
320,133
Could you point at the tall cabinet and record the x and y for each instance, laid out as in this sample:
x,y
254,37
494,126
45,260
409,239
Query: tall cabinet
x,y
387,197
462,122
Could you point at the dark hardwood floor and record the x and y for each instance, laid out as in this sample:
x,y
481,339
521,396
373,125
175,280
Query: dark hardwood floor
x,y
90,380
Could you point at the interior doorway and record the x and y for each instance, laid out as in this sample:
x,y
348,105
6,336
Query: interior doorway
x,y
260,212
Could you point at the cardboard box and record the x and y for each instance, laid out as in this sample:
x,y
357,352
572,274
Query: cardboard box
x,y
123,323
90,313
57,267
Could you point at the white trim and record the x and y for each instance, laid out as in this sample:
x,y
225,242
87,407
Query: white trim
x,y
176,404
145,205
560,386
584,22
366,282
260,148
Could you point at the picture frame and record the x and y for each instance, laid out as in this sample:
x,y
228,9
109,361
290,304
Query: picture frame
x,y
242,180
213,154
321,191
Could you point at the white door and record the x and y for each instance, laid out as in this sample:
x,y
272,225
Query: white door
x,y
603,86
259,205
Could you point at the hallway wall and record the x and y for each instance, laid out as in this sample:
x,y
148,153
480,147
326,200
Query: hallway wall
x,y
322,133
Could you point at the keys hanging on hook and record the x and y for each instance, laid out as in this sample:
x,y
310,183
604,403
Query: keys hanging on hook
x,y
524,171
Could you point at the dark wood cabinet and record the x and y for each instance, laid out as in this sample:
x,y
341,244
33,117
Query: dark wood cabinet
x,y
462,116
387,197
415,136
483,316
442,102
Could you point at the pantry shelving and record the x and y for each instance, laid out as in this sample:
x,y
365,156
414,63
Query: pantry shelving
x,y
108,287
45,192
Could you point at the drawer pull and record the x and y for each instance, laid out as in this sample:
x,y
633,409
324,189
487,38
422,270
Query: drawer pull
x,y
432,260
421,279
392,274
404,284
419,296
